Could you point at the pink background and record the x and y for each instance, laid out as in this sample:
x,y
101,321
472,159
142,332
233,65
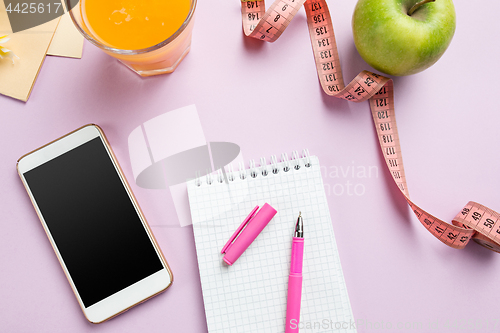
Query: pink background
x,y
267,99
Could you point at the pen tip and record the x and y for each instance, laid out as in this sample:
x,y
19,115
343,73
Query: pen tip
x,y
299,228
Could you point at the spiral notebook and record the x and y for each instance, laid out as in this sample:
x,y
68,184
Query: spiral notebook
x,y
250,296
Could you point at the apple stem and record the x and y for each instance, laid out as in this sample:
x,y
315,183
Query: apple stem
x,y
417,5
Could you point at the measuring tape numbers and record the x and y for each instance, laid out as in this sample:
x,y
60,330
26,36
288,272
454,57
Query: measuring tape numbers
x,y
475,221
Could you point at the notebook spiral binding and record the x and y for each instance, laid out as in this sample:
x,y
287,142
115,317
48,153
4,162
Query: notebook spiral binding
x,y
263,169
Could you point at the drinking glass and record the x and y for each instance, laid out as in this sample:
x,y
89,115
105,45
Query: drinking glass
x,y
161,58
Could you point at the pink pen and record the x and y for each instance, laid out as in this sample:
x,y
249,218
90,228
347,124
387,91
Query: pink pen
x,y
295,279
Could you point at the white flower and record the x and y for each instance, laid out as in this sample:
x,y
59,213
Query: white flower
x,y
4,52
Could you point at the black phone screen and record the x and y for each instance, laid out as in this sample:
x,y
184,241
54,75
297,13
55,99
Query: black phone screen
x,y
93,222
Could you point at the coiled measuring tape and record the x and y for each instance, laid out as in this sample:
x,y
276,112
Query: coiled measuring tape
x,y
475,221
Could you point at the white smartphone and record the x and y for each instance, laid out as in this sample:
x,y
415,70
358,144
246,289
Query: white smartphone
x,y
94,223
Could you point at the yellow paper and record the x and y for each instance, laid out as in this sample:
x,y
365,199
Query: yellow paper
x,y
67,41
16,80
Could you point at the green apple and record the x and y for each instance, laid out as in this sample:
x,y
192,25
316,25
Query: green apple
x,y
402,37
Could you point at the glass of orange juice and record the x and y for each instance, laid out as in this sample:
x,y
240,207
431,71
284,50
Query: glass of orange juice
x,y
150,37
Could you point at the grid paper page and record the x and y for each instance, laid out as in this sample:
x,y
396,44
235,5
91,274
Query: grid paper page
x,y
250,295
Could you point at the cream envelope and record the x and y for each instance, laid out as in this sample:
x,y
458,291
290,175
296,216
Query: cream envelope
x,y
67,41
31,46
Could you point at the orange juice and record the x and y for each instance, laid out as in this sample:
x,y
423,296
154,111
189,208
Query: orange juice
x,y
148,36
134,24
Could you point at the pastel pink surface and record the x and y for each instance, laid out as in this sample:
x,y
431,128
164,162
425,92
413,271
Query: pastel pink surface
x,y
267,99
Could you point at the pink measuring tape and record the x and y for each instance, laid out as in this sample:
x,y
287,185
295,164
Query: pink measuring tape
x,y
475,221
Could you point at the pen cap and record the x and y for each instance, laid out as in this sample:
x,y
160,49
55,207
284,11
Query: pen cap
x,y
252,229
